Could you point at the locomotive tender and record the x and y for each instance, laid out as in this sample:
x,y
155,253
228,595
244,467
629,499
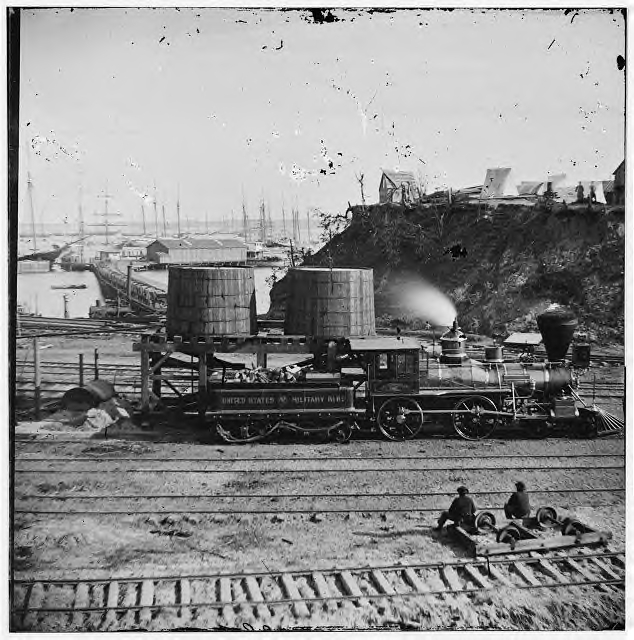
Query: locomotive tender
x,y
393,384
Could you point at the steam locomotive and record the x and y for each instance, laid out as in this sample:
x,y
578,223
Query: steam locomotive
x,y
393,385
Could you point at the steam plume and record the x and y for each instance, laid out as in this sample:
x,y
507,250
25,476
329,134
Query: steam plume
x,y
420,299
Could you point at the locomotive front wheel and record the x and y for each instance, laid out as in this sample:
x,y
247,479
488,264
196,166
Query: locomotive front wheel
x,y
245,431
470,420
341,432
400,418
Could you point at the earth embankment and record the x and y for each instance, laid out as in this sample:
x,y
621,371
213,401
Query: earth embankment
x,y
500,268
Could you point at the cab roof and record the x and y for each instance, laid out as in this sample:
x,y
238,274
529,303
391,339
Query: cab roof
x,y
384,343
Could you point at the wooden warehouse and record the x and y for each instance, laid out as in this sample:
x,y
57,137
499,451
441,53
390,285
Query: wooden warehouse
x,y
197,251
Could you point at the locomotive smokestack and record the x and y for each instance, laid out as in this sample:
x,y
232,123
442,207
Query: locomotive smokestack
x,y
557,325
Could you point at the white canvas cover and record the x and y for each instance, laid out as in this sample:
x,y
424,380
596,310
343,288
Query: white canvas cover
x,y
534,188
526,188
499,182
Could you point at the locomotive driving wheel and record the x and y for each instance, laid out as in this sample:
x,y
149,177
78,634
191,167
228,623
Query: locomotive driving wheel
x,y
472,420
400,418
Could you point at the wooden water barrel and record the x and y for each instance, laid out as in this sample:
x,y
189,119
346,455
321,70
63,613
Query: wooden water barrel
x,y
330,302
211,301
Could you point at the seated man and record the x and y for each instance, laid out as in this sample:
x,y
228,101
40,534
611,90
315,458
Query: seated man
x,y
518,505
462,510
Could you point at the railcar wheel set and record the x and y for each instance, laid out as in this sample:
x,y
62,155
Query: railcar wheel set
x,y
518,536
354,379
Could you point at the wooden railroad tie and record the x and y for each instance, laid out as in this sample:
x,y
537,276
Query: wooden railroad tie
x,y
300,608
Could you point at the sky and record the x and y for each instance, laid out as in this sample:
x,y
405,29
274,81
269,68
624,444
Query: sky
x,y
231,105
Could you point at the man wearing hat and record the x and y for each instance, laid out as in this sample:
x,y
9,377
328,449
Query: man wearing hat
x,y
518,505
462,509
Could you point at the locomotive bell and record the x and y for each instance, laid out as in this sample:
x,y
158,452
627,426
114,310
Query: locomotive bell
x,y
452,343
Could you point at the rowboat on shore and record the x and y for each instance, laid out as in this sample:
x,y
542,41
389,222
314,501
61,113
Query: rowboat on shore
x,y
68,286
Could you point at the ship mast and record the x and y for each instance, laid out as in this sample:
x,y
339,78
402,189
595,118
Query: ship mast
x,y
106,214
29,190
82,231
262,221
156,220
178,208
245,219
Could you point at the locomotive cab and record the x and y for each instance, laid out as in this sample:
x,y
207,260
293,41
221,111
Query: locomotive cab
x,y
392,364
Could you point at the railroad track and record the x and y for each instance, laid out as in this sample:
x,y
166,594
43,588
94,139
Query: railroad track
x,y
259,598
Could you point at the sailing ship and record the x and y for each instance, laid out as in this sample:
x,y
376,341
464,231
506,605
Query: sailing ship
x,y
38,261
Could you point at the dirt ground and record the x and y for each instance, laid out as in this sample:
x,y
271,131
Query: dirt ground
x,y
173,541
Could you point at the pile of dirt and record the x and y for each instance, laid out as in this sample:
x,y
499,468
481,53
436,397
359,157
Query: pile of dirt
x,y
501,268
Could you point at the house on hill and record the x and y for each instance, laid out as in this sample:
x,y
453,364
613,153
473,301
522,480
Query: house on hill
x,y
398,187
619,184
197,250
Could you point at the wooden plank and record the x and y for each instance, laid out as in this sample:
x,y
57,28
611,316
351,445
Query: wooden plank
x,y
580,569
300,608
82,600
185,597
352,588
451,578
526,573
603,565
551,570
226,598
323,591
382,583
256,597
557,542
477,576
111,602
147,600
414,581
619,561
499,576
33,600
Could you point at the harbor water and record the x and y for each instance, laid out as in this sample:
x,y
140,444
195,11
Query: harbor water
x,y
36,295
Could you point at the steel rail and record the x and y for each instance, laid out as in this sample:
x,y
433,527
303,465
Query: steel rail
x,y
227,512
332,570
337,496
464,575
314,459
314,599
343,470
